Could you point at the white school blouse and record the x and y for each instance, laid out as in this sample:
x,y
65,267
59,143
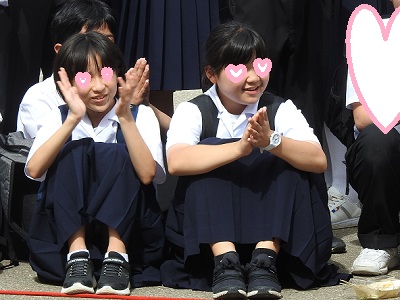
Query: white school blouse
x,y
146,123
38,104
186,123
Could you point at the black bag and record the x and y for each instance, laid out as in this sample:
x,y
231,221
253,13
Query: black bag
x,y
337,117
18,196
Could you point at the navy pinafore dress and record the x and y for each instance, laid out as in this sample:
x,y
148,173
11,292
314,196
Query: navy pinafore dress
x,y
95,184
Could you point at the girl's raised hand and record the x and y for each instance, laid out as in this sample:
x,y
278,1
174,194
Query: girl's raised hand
x,y
75,104
135,88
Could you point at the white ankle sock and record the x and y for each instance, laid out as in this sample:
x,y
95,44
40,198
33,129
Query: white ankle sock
x,y
124,255
81,250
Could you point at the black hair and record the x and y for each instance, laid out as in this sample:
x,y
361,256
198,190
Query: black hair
x,y
76,14
231,43
82,48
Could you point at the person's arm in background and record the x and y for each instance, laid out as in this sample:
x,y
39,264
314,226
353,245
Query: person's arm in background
x,y
361,118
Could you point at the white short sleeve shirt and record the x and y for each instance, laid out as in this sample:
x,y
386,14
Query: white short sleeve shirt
x,y
105,132
186,123
39,103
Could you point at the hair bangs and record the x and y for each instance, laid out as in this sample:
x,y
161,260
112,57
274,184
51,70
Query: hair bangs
x,y
242,49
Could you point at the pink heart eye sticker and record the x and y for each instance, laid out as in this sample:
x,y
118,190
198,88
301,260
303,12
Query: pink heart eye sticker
x,y
262,67
107,73
235,73
82,79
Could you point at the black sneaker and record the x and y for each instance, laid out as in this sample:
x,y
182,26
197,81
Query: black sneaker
x,y
79,277
228,281
114,276
262,279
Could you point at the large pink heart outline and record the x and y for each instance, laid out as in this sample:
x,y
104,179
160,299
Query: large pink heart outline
x,y
82,79
385,31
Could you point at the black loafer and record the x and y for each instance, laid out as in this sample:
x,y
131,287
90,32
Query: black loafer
x,y
338,245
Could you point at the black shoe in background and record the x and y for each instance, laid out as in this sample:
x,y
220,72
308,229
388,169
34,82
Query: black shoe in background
x,y
338,245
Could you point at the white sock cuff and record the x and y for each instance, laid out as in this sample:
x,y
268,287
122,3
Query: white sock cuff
x,y
73,252
124,255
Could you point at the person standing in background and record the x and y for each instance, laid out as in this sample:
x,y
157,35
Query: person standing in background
x,y
171,35
23,25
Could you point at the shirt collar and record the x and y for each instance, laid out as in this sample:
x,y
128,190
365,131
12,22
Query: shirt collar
x,y
249,111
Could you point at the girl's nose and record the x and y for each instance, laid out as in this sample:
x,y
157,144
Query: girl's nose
x,y
98,83
252,76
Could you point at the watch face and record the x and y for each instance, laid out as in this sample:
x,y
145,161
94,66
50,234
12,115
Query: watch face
x,y
276,138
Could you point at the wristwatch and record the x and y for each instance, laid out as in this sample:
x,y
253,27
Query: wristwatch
x,y
274,141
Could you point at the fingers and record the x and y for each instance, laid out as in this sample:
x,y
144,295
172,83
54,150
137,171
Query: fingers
x,y
63,83
138,69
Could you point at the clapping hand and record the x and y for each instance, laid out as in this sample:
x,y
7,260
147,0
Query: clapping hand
x,y
135,88
259,129
75,104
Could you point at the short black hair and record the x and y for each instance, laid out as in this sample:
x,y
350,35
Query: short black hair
x,y
82,48
231,43
76,14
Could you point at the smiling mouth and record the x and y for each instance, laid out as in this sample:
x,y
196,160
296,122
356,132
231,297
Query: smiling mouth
x,y
99,98
251,89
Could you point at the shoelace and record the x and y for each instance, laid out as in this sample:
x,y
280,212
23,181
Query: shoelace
x,y
77,269
335,201
112,270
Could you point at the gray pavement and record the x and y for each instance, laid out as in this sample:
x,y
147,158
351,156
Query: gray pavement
x,y
22,278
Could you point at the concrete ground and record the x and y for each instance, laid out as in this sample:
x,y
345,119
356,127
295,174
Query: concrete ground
x,y
22,278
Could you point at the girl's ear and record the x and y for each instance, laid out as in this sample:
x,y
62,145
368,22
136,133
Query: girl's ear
x,y
57,47
210,74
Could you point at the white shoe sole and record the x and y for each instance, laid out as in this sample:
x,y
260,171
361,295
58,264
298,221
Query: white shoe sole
x,y
78,288
239,294
369,270
108,290
345,223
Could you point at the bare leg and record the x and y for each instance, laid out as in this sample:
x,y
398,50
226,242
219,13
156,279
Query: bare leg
x,y
273,245
115,243
77,240
222,247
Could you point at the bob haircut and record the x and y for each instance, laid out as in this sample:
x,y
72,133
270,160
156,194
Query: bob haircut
x,y
84,48
231,43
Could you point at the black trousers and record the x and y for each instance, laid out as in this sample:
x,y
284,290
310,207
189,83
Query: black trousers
x,y
373,163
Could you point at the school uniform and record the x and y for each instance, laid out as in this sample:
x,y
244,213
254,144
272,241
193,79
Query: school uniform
x,y
40,102
373,167
258,197
92,181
